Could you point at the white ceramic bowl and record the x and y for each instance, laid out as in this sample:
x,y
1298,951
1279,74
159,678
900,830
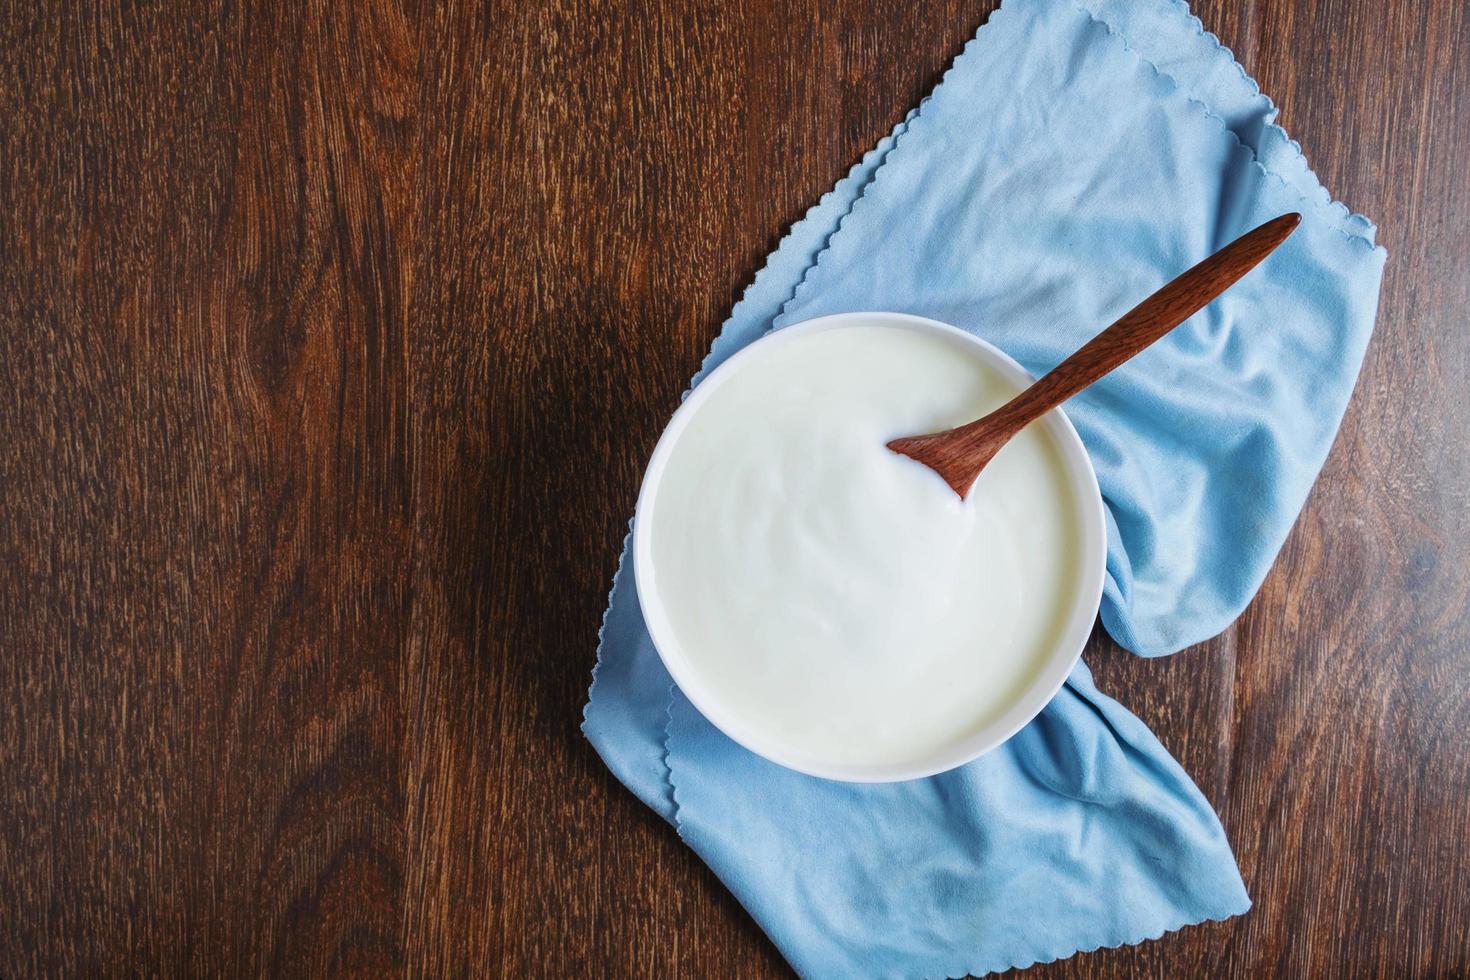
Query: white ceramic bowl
x,y
1091,548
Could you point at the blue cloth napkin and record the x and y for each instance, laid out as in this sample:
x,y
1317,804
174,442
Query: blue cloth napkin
x,y
1078,154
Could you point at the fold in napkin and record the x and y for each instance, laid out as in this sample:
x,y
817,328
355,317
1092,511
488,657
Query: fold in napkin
x,y
1076,156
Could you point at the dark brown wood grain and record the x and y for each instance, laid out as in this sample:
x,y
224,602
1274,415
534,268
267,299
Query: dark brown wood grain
x,y
959,454
333,339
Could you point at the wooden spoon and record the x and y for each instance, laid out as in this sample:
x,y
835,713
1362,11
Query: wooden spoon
x,y
958,455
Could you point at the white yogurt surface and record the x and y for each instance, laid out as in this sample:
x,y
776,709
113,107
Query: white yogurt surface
x,y
836,598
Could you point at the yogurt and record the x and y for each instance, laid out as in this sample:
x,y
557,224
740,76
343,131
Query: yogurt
x,y
833,604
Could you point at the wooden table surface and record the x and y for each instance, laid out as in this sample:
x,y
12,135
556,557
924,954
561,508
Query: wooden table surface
x,y
333,338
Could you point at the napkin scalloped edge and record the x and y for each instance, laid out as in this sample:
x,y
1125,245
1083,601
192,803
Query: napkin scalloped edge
x,y
1324,203
1101,944
1320,190
722,339
1324,199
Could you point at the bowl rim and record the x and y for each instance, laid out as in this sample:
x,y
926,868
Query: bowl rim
x,y
1091,533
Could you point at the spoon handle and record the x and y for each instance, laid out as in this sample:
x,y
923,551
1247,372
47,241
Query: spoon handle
x,y
1176,302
